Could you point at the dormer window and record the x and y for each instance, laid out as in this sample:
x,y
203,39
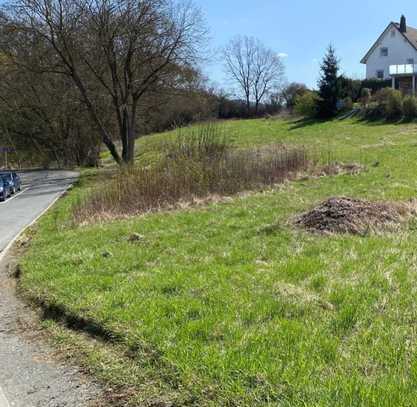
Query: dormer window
x,y
384,52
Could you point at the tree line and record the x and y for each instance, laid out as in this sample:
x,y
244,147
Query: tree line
x,y
335,92
103,59
78,75
81,74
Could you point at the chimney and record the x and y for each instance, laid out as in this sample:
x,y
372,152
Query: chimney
x,y
403,24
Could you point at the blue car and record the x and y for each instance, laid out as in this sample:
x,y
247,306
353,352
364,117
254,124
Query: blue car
x,y
5,190
13,181
17,182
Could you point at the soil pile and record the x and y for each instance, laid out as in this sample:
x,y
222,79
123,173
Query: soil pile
x,y
355,216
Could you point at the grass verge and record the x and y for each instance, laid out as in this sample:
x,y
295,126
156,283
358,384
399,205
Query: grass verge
x,y
229,304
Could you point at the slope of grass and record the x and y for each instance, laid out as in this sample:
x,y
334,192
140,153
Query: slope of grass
x,y
230,304
346,138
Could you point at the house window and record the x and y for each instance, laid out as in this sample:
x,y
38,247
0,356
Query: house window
x,y
392,33
380,74
384,52
410,61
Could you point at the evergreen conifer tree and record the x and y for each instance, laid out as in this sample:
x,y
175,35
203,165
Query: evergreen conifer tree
x,y
329,87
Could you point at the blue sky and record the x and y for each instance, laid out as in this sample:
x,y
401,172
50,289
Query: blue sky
x,y
302,29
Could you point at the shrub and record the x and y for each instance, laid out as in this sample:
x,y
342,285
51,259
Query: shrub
x,y
376,84
206,141
388,103
195,165
349,88
307,105
394,105
291,92
365,96
410,107
347,103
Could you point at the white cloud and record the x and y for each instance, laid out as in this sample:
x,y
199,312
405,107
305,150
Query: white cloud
x,y
283,55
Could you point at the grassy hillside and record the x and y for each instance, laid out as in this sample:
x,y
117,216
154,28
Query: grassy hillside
x,y
229,304
345,139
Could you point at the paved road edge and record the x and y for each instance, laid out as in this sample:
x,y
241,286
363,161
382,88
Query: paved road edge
x,y
13,241
3,399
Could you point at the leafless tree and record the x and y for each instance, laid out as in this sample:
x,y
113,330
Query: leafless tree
x,y
118,51
254,68
43,113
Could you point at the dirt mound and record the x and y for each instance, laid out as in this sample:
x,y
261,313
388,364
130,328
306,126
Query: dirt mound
x,y
347,215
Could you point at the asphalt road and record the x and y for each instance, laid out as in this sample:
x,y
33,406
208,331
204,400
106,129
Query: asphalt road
x,y
39,190
30,374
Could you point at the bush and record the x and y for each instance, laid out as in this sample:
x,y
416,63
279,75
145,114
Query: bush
x,y
347,104
291,92
350,88
376,84
365,96
196,143
394,104
388,104
307,105
410,107
194,165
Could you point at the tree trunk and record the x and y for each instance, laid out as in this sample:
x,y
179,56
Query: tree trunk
x,y
124,135
129,120
102,131
131,146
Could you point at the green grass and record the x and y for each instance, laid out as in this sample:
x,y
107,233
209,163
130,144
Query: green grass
x,y
229,304
349,139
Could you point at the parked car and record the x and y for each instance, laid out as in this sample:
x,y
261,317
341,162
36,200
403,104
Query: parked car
x,y
17,181
12,181
5,190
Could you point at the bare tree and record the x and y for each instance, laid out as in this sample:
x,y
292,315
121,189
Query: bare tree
x,y
238,56
118,51
254,68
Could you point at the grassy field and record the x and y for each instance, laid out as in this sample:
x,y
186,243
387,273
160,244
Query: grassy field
x,y
229,304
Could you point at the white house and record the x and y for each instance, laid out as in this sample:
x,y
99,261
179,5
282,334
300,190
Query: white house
x,y
394,56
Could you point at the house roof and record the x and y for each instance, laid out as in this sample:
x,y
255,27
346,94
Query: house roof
x,y
410,35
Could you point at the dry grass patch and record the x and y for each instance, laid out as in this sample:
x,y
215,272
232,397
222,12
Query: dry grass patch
x,y
355,216
301,295
336,168
196,167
